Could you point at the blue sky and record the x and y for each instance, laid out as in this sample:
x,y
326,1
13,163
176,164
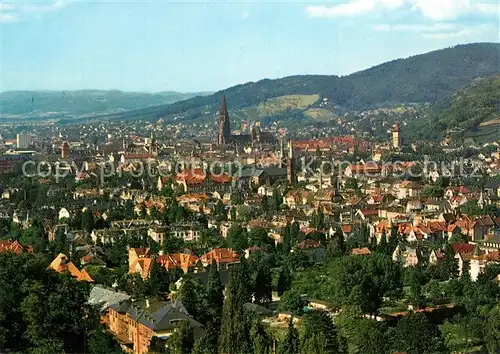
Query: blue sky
x,y
204,45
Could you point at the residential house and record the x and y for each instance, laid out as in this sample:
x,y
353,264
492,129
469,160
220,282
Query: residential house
x,y
463,252
14,246
479,260
140,261
184,261
136,324
406,256
436,257
62,264
314,250
223,257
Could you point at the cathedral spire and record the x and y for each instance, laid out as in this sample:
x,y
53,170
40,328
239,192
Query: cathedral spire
x,y
224,131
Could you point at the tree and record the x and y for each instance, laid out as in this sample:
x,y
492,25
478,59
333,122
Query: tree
x,y
205,345
35,236
60,243
190,294
263,283
214,297
290,344
87,220
291,301
236,198
158,281
492,337
261,341
449,267
259,237
383,246
415,280
102,342
319,334
336,246
284,280
425,337
367,336
235,327
318,220
361,282
237,238
462,333
182,341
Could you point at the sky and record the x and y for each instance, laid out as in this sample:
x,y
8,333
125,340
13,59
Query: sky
x,y
210,45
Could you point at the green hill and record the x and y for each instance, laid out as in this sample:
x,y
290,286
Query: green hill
x,y
472,113
81,102
424,78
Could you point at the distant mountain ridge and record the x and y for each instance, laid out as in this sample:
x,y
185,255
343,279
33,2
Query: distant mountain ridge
x,y
423,78
81,102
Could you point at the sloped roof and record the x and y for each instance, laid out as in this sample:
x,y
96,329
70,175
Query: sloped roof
x,y
220,255
105,297
183,261
463,248
62,264
14,246
360,251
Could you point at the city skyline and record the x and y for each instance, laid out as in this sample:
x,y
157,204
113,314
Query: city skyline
x,y
151,47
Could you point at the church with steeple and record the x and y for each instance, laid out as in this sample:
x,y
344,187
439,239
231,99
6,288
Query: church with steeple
x,y
224,130
224,136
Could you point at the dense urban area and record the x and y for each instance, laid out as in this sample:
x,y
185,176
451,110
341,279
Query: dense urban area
x,y
370,230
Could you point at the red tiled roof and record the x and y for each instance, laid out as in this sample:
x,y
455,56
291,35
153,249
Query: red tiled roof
x,y
14,246
347,228
183,261
220,255
369,212
360,251
462,248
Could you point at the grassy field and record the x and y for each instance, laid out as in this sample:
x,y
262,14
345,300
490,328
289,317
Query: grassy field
x,y
280,104
320,114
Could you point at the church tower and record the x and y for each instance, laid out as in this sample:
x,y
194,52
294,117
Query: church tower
x,y
281,154
224,131
290,167
152,144
396,138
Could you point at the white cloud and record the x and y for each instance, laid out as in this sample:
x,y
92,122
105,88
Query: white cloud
x,y
452,9
7,14
438,30
14,12
245,15
463,32
352,8
433,9
8,17
6,7
434,27
45,8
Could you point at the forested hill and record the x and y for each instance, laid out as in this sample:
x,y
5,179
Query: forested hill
x,y
471,112
421,78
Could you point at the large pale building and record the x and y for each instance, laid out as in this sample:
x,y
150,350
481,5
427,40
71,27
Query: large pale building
x,y
396,138
23,141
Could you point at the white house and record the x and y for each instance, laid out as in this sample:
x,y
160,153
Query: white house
x,y
64,213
